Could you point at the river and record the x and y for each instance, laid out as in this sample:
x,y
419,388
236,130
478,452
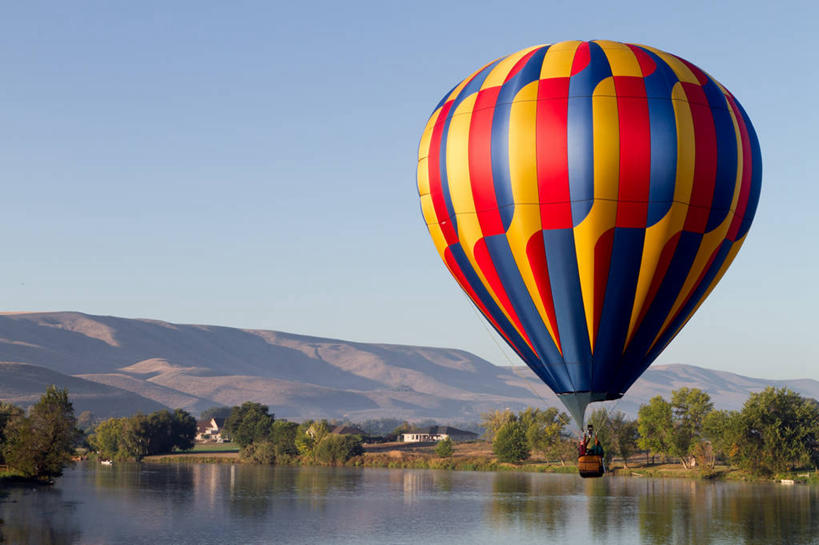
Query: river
x,y
206,504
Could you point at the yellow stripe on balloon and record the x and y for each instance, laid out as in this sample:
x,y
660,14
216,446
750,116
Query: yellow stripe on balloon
x,y
457,160
428,210
423,153
603,214
622,60
557,63
523,179
684,182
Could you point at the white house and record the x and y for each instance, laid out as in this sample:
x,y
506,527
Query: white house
x,y
210,430
437,433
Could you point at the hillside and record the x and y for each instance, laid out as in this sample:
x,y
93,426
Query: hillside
x,y
198,366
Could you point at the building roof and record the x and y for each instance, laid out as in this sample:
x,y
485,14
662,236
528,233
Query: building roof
x,y
442,430
346,429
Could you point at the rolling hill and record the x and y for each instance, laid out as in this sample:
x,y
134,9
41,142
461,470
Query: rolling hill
x,y
139,364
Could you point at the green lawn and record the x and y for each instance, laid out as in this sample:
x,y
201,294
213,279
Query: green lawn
x,y
215,447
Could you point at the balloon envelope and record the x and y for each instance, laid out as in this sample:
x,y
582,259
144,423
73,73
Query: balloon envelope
x,y
587,196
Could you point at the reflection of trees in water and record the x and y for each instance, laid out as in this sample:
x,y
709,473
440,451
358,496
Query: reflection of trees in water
x,y
37,515
540,502
771,514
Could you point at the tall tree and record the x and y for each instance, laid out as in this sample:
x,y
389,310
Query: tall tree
x,y
655,427
779,430
510,444
494,421
7,413
623,435
42,444
248,423
689,408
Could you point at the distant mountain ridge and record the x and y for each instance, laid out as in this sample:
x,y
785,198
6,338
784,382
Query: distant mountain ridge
x,y
150,363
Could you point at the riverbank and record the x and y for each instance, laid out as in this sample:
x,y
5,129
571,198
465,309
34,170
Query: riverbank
x,y
478,456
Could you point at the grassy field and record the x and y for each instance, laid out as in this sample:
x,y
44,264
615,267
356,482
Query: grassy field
x,y
213,447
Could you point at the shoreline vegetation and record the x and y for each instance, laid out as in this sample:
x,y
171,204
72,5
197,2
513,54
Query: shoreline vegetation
x,y
774,437
478,456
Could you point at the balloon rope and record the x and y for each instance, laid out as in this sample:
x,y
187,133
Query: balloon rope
x,y
494,338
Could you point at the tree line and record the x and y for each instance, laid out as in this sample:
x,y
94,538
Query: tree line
x,y
777,430
140,435
263,439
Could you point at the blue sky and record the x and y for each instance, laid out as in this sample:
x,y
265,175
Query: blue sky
x,y
252,164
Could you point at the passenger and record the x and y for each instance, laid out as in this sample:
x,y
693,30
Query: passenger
x,y
581,447
597,448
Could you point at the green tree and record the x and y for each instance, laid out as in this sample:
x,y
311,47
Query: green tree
x,y
7,413
778,430
493,421
283,438
723,430
42,444
336,449
444,448
510,443
108,439
689,407
249,423
624,435
309,436
544,430
655,427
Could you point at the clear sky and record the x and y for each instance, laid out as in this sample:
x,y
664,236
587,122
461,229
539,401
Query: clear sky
x,y
252,164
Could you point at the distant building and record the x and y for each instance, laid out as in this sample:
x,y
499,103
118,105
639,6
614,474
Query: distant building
x,y
437,433
211,430
348,429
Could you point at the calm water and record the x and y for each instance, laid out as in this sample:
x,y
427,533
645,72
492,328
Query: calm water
x,y
221,504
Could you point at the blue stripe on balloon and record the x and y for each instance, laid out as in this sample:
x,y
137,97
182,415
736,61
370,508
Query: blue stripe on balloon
x,y
756,175
663,127
513,284
670,288
621,285
468,89
726,155
561,259
501,177
580,131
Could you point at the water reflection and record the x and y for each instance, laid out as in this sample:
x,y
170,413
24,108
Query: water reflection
x,y
40,515
133,504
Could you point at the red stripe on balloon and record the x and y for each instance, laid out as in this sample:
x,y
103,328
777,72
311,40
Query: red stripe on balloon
x,y
551,148
635,152
745,183
602,262
582,57
480,162
699,74
705,160
647,64
536,254
435,190
487,267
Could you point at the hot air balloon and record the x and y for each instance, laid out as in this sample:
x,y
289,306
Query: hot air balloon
x,y
587,197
